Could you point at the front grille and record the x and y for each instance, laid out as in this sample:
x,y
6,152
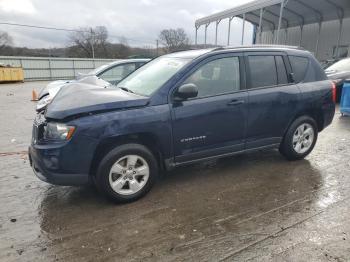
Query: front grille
x,y
38,128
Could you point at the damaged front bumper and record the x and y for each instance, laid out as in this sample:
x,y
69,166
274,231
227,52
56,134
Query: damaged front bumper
x,y
60,163
41,160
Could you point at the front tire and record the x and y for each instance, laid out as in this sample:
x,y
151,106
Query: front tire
x,y
300,139
127,173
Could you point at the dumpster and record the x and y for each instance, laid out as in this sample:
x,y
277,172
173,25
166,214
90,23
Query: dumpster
x,y
11,74
345,99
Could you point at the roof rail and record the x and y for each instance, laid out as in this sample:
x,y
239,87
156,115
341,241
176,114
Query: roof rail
x,y
257,46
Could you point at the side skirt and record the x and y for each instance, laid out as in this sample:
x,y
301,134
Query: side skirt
x,y
170,164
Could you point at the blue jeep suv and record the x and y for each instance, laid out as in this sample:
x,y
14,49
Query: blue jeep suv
x,y
178,109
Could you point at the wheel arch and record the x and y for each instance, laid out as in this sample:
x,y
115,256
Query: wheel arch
x,y
315,114
148,140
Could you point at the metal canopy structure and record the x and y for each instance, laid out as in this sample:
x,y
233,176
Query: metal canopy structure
x,y
274,15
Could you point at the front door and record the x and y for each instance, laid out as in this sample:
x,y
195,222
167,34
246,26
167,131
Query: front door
x,y
213,123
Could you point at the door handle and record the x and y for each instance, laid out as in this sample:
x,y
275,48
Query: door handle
x,y
235,102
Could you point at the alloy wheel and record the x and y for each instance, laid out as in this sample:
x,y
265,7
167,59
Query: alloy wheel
x,y
303,138
129,174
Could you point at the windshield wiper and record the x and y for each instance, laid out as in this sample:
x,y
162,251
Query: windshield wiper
x,y
127,90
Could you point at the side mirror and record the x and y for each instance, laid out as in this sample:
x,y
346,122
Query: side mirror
x,y
186,91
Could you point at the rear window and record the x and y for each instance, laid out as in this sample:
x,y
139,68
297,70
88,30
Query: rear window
x,y
306,69
299,66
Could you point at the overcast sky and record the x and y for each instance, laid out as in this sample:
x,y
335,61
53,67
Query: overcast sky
x,y
139,20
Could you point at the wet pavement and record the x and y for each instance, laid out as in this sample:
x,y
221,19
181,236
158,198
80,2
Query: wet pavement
x,y
256,207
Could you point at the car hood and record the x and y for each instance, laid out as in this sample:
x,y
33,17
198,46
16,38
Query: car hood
x,y
53,88
334,75
84,99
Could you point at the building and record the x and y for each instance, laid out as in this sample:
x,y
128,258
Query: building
x,y
320,26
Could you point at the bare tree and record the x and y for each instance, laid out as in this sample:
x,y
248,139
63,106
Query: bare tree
x,y
174,39
5,40
91,41
123,41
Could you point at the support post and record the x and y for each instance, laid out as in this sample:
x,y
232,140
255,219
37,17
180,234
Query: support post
x,y
318,37
260,23
301,35
216,31
279,23
74,73
195,41
229,30
339,37
243,29
205,35
286,36
92,43
50,68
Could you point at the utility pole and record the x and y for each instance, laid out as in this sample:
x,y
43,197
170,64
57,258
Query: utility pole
x,y
157,44
92,43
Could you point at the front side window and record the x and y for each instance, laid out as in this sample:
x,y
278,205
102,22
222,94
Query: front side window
x,y
117,73
217,77
263,71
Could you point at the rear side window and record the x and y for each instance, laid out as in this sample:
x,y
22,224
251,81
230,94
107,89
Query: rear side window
x,y
316,73
262,71
299,66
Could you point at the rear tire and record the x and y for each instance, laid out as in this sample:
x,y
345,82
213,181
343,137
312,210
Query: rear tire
x,y
300,138
127,173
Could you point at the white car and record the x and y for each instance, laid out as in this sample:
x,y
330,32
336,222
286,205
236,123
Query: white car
x,y
106,75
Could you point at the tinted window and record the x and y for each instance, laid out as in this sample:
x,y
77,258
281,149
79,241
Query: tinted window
x,y
262,71
281,71
299,66
117,73
318,72
217,77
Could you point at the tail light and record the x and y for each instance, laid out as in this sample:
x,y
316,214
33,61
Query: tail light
x,y
334,92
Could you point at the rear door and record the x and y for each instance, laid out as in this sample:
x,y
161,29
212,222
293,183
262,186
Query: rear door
x,y
273,98
213,123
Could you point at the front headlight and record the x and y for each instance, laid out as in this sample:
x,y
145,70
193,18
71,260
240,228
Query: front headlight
x,y
42,103
58,131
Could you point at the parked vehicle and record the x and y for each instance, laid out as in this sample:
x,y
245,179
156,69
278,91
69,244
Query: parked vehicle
x,y
339,72
179,109
113,73
327,63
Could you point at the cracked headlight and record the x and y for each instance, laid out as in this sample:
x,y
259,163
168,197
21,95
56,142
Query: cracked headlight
x,y
58,131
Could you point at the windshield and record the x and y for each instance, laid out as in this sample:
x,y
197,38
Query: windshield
x,y
153,75
98,69
343,65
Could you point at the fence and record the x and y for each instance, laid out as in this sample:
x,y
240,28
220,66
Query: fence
x,y
52,68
